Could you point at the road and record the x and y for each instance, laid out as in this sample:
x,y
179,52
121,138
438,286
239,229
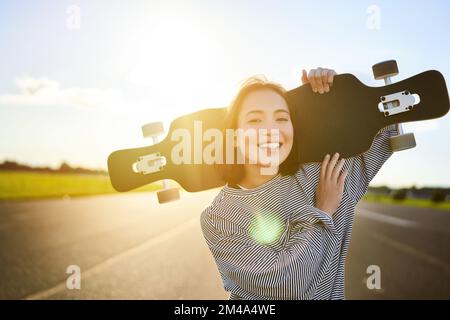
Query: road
x,y
129,247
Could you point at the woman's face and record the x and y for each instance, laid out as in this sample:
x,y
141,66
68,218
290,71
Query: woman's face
x,y
266,109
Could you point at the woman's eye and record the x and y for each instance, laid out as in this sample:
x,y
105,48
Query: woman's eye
x,y
282,119
254,121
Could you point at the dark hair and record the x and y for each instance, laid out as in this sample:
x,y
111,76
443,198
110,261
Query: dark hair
x,y
233,173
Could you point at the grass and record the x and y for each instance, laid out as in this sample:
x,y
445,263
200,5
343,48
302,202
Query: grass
x,y
422,203
16,185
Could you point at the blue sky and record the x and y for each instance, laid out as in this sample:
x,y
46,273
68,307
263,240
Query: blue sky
x,y
128,63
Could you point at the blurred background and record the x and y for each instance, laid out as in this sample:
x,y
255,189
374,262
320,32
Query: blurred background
x,y
78,80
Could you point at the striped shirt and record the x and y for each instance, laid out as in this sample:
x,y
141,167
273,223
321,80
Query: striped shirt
x,y
271,242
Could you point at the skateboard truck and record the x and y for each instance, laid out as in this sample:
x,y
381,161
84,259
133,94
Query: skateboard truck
x,y
395,103
150,163
154,162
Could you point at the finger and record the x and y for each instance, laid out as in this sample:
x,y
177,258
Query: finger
x,y
326,87
318,78
337,170
312,79
331,165
341,179
304,77
324,166
331,75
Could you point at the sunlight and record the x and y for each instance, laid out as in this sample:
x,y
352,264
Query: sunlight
x,y
181,68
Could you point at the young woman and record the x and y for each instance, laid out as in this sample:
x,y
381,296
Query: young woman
x,y
286,235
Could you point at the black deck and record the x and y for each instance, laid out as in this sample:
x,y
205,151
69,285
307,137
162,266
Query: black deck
x,y
345,120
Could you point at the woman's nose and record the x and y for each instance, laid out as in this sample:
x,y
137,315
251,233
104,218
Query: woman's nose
x,y
270,134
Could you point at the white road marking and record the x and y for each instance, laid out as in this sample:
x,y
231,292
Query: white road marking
x,y
386,218
412,251
98,268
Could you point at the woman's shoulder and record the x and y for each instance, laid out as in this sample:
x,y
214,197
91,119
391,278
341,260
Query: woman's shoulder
x,y
308,171
205,216
216,207
214,203
222,217
228,209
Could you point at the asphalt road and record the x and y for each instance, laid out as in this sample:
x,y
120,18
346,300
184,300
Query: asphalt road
x,y
129,247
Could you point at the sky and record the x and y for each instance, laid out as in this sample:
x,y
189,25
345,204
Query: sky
x,y
79,78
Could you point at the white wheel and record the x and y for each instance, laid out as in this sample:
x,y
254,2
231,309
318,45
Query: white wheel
x,y
385,69
168,195
402,142
152,129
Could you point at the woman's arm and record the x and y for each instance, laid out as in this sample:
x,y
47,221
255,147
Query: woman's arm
x,y
363,168
285,268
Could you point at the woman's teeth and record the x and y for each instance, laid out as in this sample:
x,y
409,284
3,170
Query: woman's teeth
x,y
272,145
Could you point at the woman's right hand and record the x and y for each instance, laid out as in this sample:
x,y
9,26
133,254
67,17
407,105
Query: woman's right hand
x,y
321,79
331,184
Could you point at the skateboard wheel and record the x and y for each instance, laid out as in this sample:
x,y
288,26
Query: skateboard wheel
x,y
152,129
385,69
168,195
402,142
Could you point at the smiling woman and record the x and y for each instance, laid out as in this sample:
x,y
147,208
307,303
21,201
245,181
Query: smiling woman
x,y
286,235
257,103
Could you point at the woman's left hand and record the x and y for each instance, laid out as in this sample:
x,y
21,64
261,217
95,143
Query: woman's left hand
x,y
321,79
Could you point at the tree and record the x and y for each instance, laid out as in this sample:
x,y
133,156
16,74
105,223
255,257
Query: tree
x,y
438,196
65,167
399,195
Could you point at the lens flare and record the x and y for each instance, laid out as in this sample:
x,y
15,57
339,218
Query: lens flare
x,y
266,228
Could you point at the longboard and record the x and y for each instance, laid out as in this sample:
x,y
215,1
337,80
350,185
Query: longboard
x,y
345,120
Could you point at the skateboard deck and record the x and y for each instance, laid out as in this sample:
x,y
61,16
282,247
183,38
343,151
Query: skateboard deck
x,y
344,120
